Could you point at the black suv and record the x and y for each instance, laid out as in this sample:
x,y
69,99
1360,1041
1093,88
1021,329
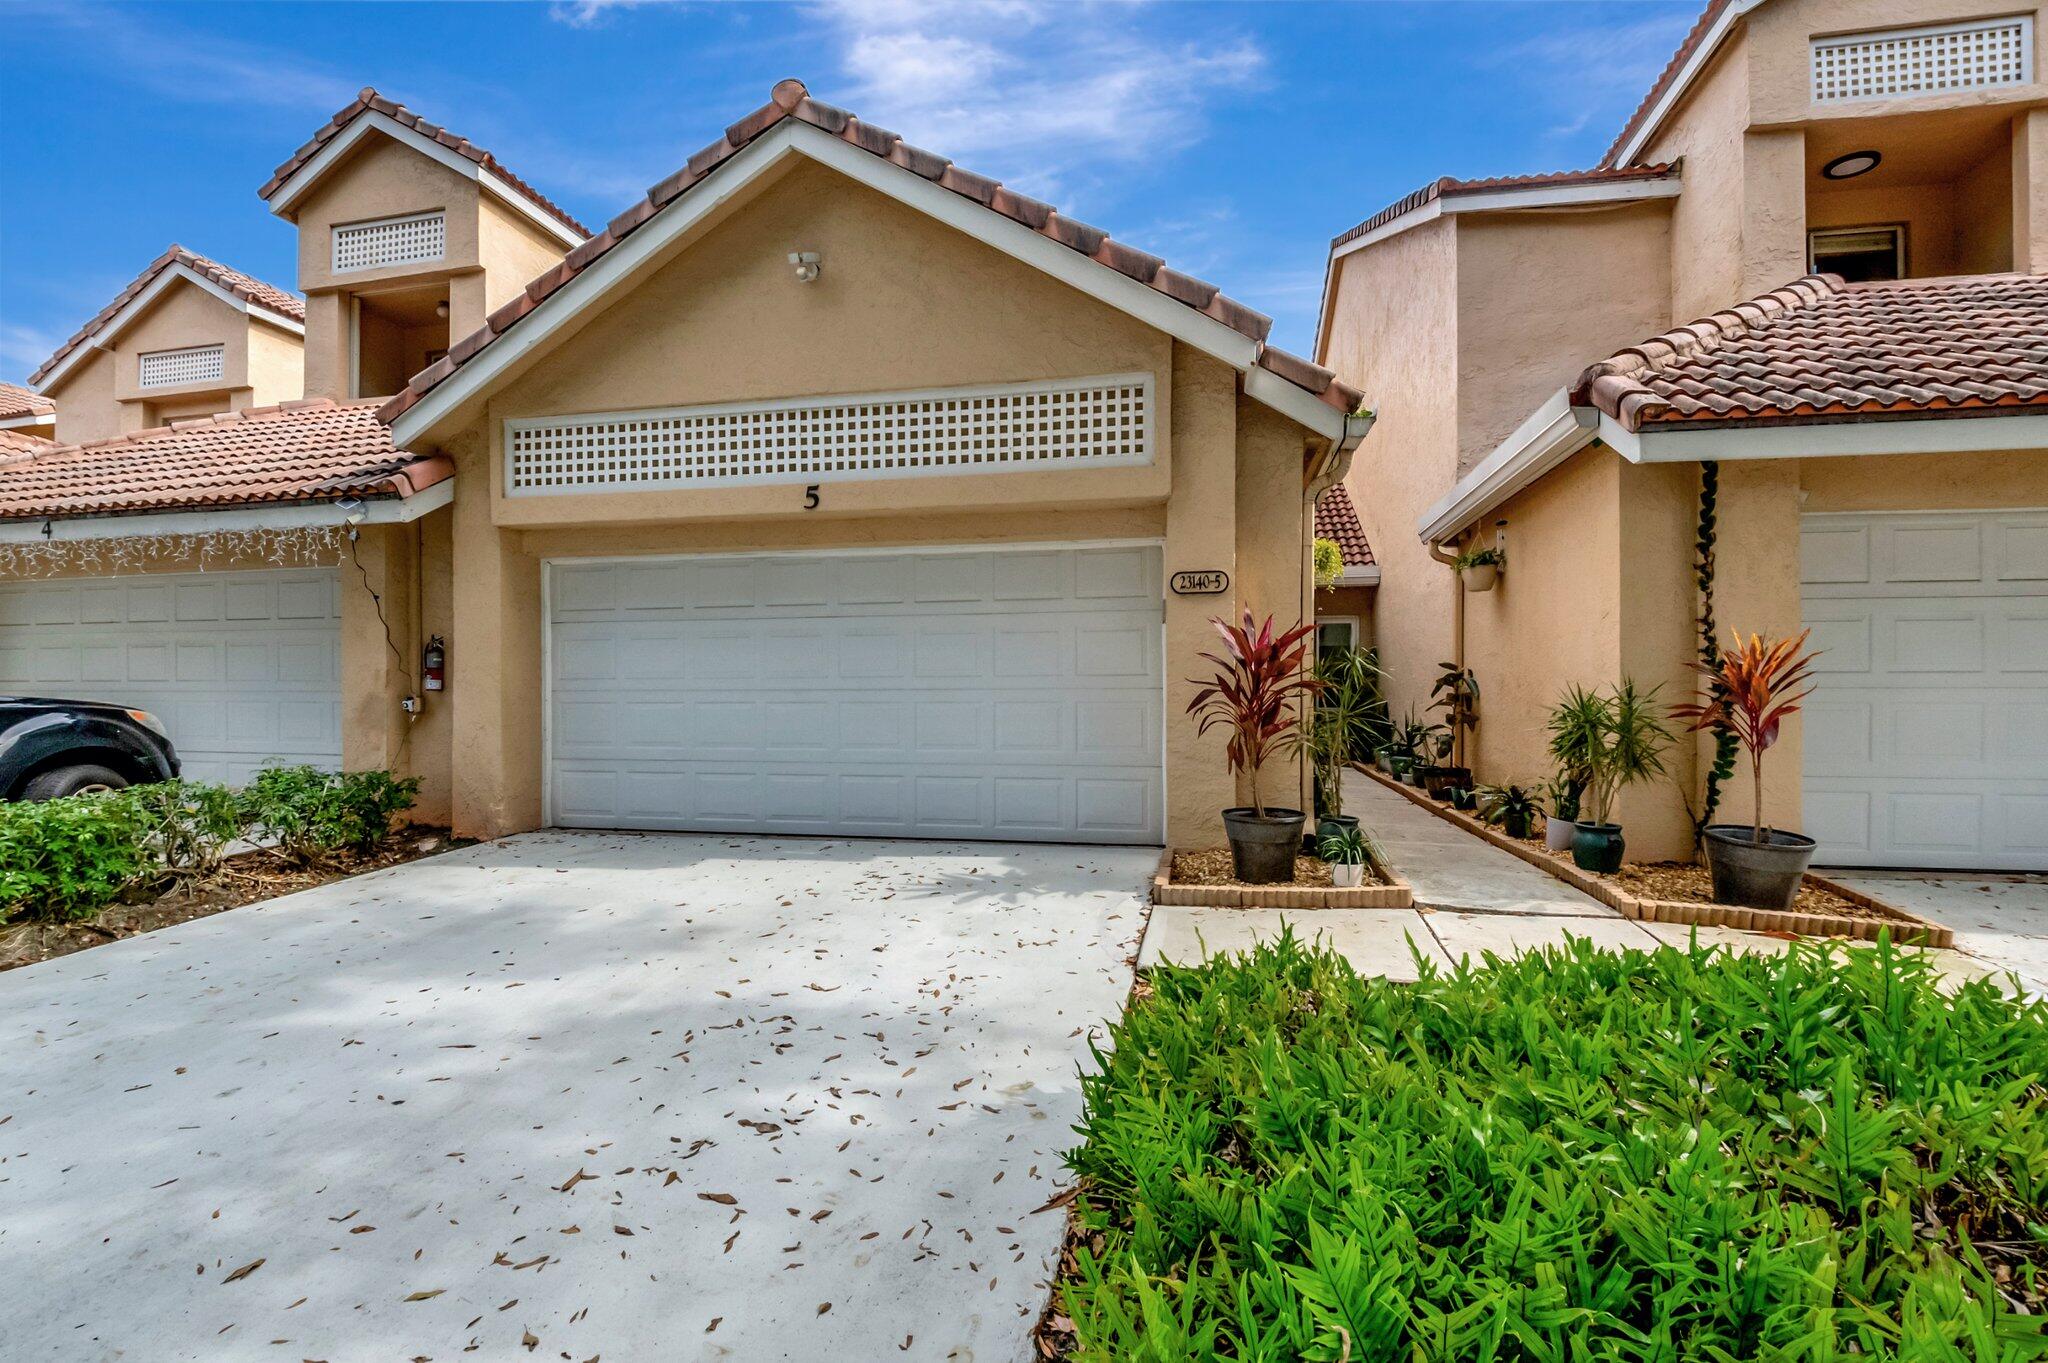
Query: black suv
x,y
50,748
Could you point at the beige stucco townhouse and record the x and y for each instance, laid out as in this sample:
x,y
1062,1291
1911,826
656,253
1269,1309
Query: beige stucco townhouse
x,y
1852,201
830,488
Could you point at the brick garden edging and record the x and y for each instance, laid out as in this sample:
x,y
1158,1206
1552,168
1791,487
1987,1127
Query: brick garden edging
x,y
1395,894
1906,927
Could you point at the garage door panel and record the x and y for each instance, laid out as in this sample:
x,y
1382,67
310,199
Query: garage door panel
x,y
1926,743
236,680
980,707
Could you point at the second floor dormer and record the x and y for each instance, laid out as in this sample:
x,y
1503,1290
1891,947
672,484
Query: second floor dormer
x,y
1874,139
408,235
188,337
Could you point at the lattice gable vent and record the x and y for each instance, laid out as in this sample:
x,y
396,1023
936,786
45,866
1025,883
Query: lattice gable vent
x,y
1924,60
173,368
1098,423
391,241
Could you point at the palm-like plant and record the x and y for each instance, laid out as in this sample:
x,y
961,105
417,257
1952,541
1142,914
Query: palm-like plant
x,y
1256,693
1577,724
1603,743
1754,687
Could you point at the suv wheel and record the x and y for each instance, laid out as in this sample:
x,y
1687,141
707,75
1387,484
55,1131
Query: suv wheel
x,y
81,780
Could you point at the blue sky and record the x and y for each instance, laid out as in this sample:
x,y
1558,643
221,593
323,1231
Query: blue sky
x,y
1234,140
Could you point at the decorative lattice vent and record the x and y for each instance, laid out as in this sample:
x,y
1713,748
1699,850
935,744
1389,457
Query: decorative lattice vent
x,y
1923,61
391,241
172,368
1092,422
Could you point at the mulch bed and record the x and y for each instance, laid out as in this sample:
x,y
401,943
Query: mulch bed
x,y
1682,883
1212,866
247,878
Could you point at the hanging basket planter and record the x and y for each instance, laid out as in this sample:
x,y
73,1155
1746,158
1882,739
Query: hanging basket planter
x,y
1480,577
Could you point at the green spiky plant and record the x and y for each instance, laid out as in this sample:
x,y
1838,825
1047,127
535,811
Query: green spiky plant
x,y
1574,1155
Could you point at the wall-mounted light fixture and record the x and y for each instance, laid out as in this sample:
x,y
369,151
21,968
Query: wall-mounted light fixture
x,y
807,265
441,309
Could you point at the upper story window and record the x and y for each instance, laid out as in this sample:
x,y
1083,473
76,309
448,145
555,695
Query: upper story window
x,y
391,241
1923,61
176,368
1858,253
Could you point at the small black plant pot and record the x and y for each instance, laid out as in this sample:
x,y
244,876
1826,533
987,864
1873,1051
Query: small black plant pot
x,y
1515,825
1597,847
1330,823
1756,875
1262,846
1440,781
1464,798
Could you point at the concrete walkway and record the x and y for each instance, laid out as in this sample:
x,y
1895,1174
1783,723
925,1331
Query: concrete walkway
x,y
567,1096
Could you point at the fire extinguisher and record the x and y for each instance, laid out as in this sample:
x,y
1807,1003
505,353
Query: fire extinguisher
x,y
434,664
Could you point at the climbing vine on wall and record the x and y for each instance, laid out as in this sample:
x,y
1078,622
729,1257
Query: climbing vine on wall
x,y
1725,746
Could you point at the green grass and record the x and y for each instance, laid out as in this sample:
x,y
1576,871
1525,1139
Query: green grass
x,y
1580,1155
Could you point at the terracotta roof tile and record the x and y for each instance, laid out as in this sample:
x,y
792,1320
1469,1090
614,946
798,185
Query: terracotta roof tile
x,y
791,100
1449,187
1337,519
1686,48
1819,349
250,290
316,450
16,401
370,101
14,444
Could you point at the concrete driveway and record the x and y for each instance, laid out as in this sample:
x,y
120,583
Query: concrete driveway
x,y
566,1096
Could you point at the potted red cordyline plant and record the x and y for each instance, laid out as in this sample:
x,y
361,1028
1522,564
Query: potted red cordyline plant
x,y
1256,695
1754,688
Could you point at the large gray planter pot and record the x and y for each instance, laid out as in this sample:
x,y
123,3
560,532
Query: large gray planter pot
x,y
1756,875
1557,833
1262,846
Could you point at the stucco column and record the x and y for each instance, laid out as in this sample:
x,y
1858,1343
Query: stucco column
x,y
375,631
1201,533
2030,192
327,346
468,304
1757,590
494,665
1773,211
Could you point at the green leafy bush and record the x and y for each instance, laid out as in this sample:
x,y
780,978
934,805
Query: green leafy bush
x,y
191,824
309,812
67,859
1578,1155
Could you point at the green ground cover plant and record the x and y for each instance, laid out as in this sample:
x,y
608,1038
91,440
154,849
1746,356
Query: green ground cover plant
x,y
1576,1155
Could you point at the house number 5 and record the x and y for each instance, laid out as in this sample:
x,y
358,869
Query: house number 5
x,y
811,497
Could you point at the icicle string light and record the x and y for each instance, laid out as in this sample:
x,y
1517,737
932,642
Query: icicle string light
x,y
305,546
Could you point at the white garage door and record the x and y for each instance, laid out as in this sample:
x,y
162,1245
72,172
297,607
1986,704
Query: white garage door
x,y
988,694
1927,738
243,668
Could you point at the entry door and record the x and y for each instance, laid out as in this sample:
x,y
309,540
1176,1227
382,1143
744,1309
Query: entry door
x,y
1006,694
243,668
1926,741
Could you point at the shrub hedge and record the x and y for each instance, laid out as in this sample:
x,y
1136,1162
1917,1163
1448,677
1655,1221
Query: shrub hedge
x,y
1576,1155
69,858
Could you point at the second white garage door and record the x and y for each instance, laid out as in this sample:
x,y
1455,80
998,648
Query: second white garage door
x,y
1010,694
1927,733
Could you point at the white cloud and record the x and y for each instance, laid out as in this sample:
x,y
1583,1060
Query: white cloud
x,y
1039,93
1587,75
589,13
23,348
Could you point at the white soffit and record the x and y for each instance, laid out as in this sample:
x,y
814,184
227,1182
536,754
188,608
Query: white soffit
x,y
1552,434
282,516
1779,440
596,284
362,125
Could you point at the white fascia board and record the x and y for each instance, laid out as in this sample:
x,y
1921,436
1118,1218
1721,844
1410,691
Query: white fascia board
x,y
1517,197
1710,43
792,137
1552,434
32,419
286,195
141,303
1777,440
1366,576
299,516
